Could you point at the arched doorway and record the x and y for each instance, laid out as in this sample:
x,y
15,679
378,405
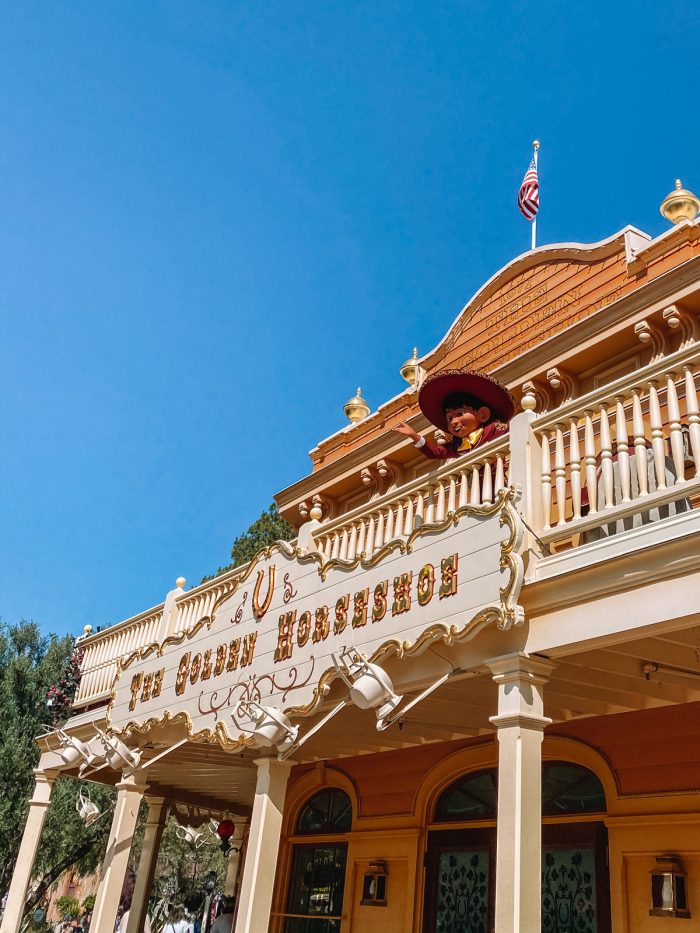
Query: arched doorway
x,y
461,859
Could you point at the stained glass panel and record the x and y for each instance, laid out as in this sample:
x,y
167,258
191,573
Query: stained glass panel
x,y
463,892
568,891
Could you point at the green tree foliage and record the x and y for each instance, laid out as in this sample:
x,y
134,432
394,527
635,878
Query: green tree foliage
x,y
29,664
267,529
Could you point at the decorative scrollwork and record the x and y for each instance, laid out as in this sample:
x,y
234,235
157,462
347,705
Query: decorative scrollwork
x,y
289,591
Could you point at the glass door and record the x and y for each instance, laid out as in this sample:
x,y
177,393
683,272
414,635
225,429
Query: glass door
x,y
461,878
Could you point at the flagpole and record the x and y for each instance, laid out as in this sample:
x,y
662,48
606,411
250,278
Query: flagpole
x,y
535,146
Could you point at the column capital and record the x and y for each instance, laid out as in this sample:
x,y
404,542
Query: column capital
x,y
520,667
134,781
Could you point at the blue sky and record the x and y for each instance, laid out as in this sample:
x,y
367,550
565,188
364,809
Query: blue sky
x,y
218,218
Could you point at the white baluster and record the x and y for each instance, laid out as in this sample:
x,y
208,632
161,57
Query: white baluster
x,y
398,524
693,415
430,510
335,548
589,459
676,430
500,482
352,543
560,473
487,485
389,529
640,444
343,553
546,482
408,518
379,531
361,537
452,495
606,464
575,466
440,505
420,505
657,437
463,489
623,449
369,545
475,492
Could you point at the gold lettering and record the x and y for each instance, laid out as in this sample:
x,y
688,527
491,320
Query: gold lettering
x,y
402,594
380,604
426,584
195,668
259,609
220,659
147,686
322,626
284,636
158,682
248,649
448,573
233,649
360,602
341,614
135,687
304,628
182,672
206,666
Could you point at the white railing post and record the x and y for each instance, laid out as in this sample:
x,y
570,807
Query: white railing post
x,y
526,473
168,624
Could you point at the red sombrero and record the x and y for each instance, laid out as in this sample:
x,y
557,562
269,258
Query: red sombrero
x,y
437,387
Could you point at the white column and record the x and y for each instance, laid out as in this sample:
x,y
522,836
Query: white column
x,y
520,724
235,858
22,874
155,824
255,898
126,810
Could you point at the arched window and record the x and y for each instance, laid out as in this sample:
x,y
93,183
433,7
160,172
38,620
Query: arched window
x,y
566,788
471,797
317,880
327,812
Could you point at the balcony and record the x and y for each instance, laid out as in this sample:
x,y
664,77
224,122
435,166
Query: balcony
x,y
614,471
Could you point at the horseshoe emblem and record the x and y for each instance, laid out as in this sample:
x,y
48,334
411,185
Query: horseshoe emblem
x,y
259,609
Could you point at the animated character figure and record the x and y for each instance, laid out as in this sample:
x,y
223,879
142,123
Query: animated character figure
x,y
471,406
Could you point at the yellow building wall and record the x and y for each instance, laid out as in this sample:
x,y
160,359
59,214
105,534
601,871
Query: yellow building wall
x,y
634,844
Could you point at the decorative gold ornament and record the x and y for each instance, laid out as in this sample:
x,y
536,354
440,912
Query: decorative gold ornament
x,y
410,369
356,408
680,204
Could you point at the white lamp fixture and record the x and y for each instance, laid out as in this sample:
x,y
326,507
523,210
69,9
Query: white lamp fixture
x,y
270,725
87,810
193,836
370,685
73,751
118,754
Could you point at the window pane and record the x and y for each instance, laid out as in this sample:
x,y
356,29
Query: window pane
x,y
316,887
463,892
570,788
568,891
329,811
472,797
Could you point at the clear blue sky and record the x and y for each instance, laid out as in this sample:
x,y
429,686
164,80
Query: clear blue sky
x,y
218,218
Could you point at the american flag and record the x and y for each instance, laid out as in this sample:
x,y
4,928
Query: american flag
x,y
529,194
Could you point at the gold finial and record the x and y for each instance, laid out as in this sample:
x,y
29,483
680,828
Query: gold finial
x,y
535,144
680,204
409,370
356,408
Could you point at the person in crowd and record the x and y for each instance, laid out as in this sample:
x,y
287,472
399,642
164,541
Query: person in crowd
x,y
224,922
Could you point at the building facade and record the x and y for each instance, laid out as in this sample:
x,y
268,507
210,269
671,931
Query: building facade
x,y
466,697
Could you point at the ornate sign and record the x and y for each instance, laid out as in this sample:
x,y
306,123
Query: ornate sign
x,y
270,639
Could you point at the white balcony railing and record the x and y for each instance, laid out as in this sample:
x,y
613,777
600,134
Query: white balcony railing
x,y
625,454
